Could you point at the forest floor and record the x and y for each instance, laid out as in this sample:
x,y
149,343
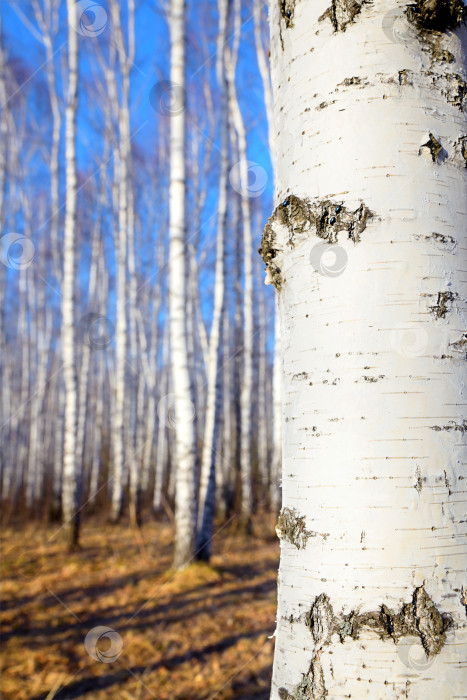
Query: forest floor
x,y
201,633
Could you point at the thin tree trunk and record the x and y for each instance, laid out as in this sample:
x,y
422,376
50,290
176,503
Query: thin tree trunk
x,y
122,162
207,500
71,476
247,378
185,436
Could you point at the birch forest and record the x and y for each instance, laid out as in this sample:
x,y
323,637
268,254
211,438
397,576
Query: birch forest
x,y
137,355
232,349
139,377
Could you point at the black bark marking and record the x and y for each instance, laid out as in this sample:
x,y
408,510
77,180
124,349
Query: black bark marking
x,y
354,80
323,105
301,376
405,77
440,241
447,484
343,12
443,304
438,15
451,426
419,484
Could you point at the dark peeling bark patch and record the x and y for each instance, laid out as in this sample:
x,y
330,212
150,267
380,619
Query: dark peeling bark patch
x,y
456,90
451,426
291,527
343,12
459,347
320,621
451,86
287,9
268,252
438,153
464,598
326,217
429,622
438,15
420,617
432,19
461,147
443,304
311,687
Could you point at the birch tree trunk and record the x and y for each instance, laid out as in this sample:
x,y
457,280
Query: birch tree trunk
x,y
71,486
121,171
247,378
365,249
207,499
185,430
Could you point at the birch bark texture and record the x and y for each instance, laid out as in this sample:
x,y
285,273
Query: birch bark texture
x,y
71,485
207,497
366,247
185,428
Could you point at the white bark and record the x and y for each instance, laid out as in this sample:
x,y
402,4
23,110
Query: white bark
x,y
207,500
71,486
185,437
247,378
162,448
276,458
374,393
122,159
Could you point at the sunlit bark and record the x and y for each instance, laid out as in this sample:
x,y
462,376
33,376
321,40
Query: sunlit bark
x,y
365,247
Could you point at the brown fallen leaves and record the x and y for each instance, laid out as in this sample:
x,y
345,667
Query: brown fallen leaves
x,y
200,633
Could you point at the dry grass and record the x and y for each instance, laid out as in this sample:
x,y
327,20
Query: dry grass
x,y
197,634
